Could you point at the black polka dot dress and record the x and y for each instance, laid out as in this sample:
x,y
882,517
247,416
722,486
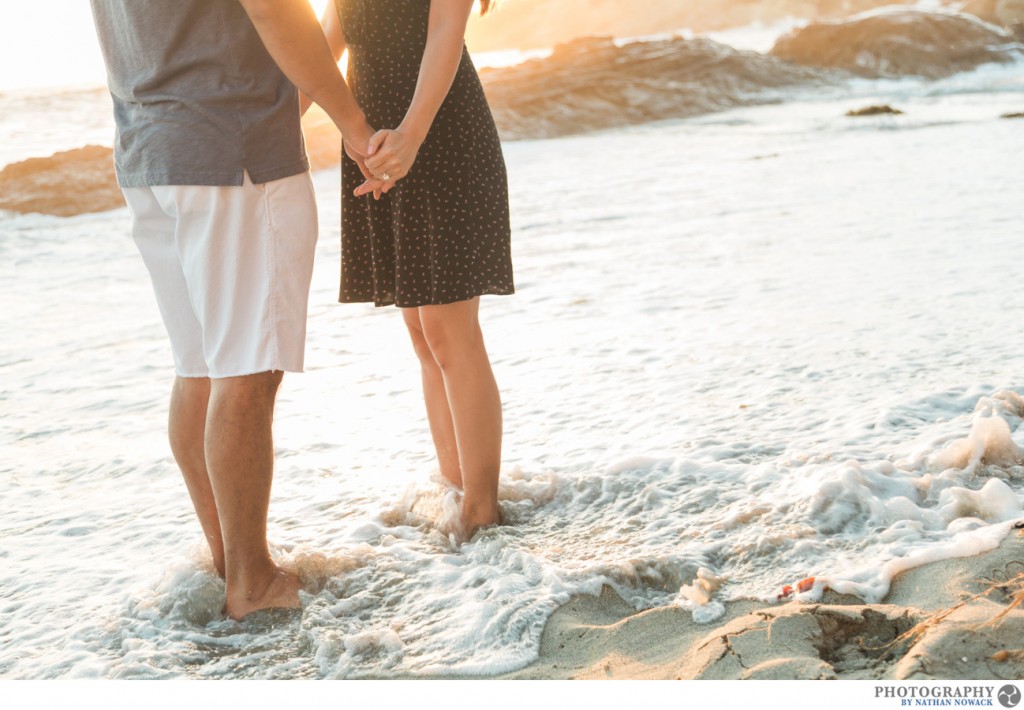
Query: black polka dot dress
x,y
441,235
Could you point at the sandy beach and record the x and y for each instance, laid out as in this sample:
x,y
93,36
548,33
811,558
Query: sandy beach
x,y
766,327
648,440
956,619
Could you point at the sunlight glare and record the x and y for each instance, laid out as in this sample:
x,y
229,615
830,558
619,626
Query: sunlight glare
x,y
53,44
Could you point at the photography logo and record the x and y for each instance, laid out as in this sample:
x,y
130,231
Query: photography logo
x,y
1009,696
933,695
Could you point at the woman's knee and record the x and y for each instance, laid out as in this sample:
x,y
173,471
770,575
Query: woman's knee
x,y
449,340
416,335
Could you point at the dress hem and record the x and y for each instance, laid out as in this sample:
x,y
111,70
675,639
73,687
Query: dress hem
x,y
394,302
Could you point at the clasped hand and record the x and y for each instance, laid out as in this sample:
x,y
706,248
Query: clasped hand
x,y
389,157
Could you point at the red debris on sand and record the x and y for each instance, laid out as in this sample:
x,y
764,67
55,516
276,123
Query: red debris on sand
x,y
804,585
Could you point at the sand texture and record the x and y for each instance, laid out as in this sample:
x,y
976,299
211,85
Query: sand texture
x,y
955,619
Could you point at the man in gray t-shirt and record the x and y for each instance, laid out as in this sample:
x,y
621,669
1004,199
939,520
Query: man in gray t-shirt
x,y
210,156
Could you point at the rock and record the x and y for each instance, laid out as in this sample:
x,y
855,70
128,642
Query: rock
x,y
323,141
982,9
895,43
526,24
875,111
64,184
592,84
1010,12
82,180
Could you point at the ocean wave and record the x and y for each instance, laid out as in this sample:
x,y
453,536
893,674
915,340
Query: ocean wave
x,y
900,42
396,596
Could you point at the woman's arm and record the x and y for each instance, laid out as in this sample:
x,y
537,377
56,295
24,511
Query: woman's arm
x,y
446,30
331,25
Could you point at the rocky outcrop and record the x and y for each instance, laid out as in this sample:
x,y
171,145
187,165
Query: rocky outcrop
x,y
593,83
82,180
899,43
879,110
528,24
64,184
1009,13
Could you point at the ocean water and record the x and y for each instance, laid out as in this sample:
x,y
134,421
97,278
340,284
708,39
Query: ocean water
x,y
36,124
747,348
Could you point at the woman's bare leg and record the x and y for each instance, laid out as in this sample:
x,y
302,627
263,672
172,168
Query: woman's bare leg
x,y
438,413
452,334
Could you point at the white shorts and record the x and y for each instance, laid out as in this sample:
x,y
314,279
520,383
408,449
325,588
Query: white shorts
x,y
231,268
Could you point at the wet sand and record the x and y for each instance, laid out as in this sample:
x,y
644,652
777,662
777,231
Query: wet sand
x,y
939,621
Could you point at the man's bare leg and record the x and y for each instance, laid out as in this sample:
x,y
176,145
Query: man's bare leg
x,y
190,397
240,459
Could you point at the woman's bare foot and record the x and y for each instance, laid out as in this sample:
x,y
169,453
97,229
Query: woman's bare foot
x,y
281,591
476,517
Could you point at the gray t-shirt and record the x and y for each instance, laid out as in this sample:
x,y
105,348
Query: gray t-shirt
x,y
197,98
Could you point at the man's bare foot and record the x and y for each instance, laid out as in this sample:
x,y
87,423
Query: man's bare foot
x,y
281,591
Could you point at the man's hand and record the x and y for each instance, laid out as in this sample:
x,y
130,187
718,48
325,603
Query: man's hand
x,y
370,183
357,138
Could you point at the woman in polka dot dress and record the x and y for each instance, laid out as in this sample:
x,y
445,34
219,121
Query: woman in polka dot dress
x,y
425,222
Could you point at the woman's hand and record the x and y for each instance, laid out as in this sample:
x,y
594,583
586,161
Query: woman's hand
x,y
391,153
390,158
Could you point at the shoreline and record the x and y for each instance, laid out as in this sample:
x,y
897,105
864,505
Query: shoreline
x,y
935,623
595,83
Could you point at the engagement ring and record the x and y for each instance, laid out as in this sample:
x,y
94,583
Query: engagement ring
x,y
385,176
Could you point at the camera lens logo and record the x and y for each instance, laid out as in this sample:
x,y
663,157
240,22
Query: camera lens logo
x,y
1009,696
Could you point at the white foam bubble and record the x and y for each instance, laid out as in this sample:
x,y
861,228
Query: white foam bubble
x,y
988,443
696,597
